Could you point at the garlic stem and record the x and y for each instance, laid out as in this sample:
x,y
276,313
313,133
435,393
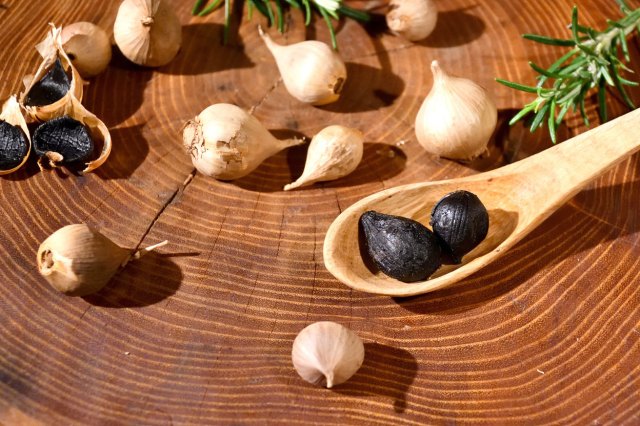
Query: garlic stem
x,y
139,253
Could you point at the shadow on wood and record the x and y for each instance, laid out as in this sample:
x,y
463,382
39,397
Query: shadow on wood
x,y
142,282
387,371
202,52
455,28
129,150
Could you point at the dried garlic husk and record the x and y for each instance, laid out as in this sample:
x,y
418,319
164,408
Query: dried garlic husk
x,y
227,143
97,130
412,19
312,71
54,68
88,47
147,32
327,353
333,153
15,142
78,260
457,118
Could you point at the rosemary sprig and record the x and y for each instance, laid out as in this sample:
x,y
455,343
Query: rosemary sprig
x,y
328,10
593,62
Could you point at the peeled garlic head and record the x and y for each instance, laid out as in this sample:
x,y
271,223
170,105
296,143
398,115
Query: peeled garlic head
x,y
457,118
77,260
412,19
312,71
227,143
147,32
327,353
333,153
88,47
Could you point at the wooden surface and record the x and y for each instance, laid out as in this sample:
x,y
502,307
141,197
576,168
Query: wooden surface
x,y
201,332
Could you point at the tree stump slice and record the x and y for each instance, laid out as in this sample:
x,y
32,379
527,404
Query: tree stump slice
x,y
201,331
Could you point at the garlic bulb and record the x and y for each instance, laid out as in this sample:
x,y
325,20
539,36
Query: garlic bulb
x,y
311,71
412,19
147,32
333,153
88,47
15,142
227,143
77,260
327,353
56,81
457,118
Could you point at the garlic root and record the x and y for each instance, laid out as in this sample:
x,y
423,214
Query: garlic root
x,y
333,153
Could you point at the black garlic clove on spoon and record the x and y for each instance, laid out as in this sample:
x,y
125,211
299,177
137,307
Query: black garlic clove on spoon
x,y
63,141
51,88
401,248
14,146
461,222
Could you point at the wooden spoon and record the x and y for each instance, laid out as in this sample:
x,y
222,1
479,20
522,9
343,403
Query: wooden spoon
x,y
518,197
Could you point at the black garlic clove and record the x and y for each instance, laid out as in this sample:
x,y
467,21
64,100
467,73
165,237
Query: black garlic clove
x,y
14,146
51,88
401,248
461,222
64,141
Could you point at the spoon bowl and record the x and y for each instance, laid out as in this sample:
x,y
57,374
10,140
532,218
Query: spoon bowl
x,y
518,197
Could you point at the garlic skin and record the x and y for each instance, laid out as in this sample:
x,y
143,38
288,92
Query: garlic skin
x,y
227,143
147,32
333,153
413,20
327,353
12,114
312,71
457,118
88,47
78,260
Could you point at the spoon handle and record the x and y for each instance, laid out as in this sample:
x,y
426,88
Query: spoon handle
x,y
561,171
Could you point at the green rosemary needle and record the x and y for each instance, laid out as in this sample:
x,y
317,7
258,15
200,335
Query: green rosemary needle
x,y
593,62
328,10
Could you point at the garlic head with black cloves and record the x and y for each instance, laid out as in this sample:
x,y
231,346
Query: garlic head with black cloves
x,y
457,118
15,143
147,32
401,248
78,260
413,20
461,222
88,47
227,143
50,88
327,353
333,153
312,71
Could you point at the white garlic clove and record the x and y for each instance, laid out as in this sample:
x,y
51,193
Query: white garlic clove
x,y
312,71
88,47
52,53
147,32
12,114
457,118
227,143
333,153
413,20
78,260
327,353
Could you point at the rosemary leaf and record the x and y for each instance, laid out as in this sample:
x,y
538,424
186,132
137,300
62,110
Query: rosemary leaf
x,y
549,40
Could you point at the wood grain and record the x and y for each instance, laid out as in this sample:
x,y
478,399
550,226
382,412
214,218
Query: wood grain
x,y
201,332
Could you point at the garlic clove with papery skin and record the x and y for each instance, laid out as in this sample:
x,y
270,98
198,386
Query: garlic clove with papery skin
x,y
413,20
78,260
147,32
327,353
333,153
227,143
88,47
457,118
312,71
